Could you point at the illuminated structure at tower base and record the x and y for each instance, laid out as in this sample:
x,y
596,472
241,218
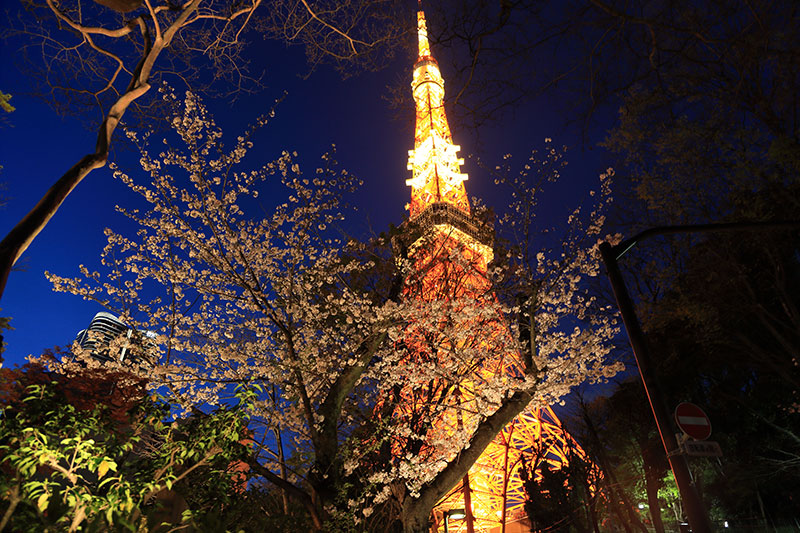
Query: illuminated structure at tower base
x,y
534,440
450,250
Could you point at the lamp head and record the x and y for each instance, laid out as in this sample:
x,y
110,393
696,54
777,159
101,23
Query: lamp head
x,y
457,514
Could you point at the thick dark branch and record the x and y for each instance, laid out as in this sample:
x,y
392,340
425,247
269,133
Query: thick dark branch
x,y
332,405
80,28
419,509
298,494
26,230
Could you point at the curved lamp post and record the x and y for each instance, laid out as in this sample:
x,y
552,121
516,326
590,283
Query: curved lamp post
x,y
695,511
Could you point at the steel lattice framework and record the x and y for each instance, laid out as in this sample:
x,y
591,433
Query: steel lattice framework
x,y
441,227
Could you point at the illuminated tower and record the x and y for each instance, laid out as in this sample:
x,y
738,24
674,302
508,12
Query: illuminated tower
x,y
441,228
434,161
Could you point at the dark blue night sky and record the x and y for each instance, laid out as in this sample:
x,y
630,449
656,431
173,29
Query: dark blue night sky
x,y
37,147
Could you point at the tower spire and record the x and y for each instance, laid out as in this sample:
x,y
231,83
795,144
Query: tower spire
x,y
422,36
434,162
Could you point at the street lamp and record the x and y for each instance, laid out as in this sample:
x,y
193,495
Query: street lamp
x,y
696,512
455,514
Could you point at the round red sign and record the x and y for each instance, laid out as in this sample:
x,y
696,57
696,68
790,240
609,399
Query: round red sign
x,y
693,421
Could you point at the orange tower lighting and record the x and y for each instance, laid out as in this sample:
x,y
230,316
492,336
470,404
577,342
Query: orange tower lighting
x,y
434,161
492,494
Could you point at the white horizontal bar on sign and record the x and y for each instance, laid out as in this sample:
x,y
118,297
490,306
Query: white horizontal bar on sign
x,y
693,420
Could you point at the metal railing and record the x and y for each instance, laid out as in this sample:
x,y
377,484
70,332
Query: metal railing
x,y
444,213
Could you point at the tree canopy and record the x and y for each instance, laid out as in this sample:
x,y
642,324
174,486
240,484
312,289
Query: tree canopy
x,y
318,320
87,60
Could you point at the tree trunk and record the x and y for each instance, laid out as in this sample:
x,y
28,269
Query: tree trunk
x,y
468,504
415,521
652,481
416,511
617,511
652,501
606,466
284,472
20,237
294,492
591,506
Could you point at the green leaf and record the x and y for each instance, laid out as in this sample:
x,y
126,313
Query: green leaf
x,y
102,470
42,501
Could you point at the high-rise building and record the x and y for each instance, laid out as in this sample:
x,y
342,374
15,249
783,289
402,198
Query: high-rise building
x,y
106,328
450,250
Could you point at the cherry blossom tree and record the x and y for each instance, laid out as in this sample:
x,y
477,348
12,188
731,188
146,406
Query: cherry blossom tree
x,y
321,322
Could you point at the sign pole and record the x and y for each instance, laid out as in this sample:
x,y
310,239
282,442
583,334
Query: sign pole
x,y
695,511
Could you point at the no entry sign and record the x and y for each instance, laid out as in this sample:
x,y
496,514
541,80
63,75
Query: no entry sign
x,y
693,421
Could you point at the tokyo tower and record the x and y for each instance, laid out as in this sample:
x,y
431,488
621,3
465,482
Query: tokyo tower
x,y
450,250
